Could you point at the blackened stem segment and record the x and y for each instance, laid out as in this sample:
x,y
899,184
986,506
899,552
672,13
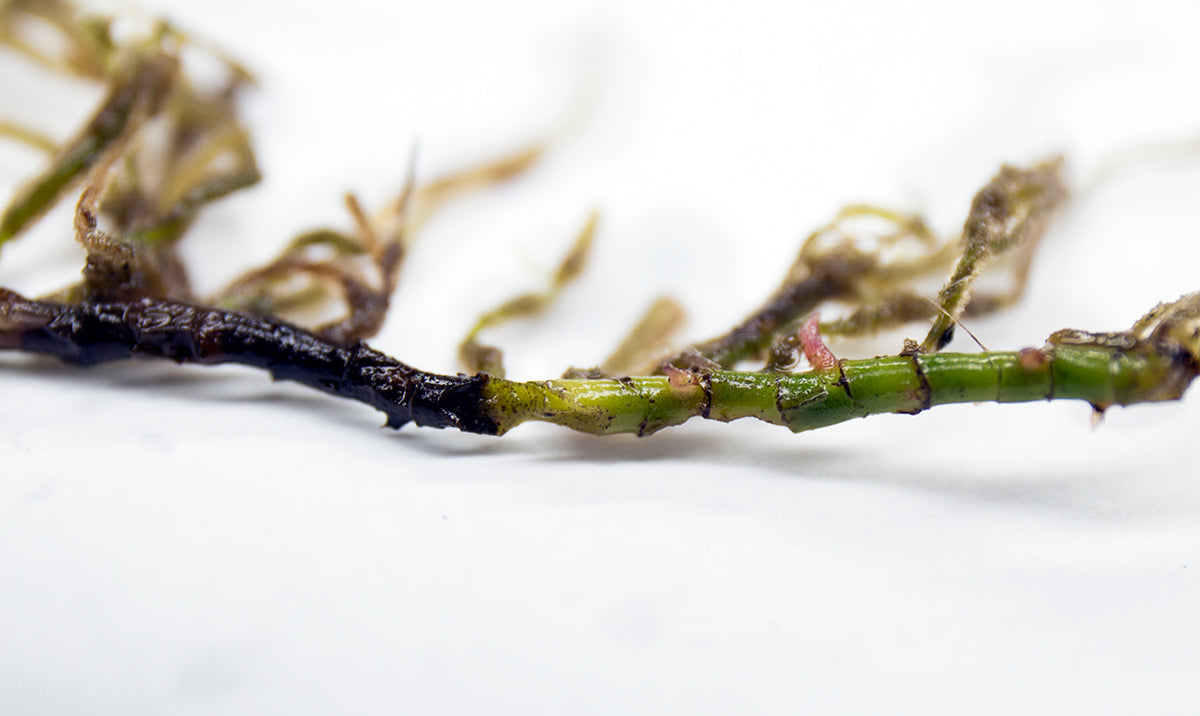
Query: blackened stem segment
x,y
100,332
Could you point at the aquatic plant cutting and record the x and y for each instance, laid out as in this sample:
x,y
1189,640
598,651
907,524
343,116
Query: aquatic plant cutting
x,y
160,148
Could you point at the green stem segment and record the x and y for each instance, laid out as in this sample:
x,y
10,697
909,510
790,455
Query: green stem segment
x,y
1102,376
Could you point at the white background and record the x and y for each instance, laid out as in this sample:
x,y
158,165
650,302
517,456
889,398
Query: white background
x,y
189,540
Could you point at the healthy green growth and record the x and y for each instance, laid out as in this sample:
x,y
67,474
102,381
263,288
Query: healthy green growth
x,y
160,148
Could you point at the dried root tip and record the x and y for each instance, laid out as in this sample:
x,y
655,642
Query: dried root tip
x,y
816,352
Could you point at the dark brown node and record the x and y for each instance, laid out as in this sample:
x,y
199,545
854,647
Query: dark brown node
x,y
924,390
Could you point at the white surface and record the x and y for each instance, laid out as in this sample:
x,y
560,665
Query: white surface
x,y
202,540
